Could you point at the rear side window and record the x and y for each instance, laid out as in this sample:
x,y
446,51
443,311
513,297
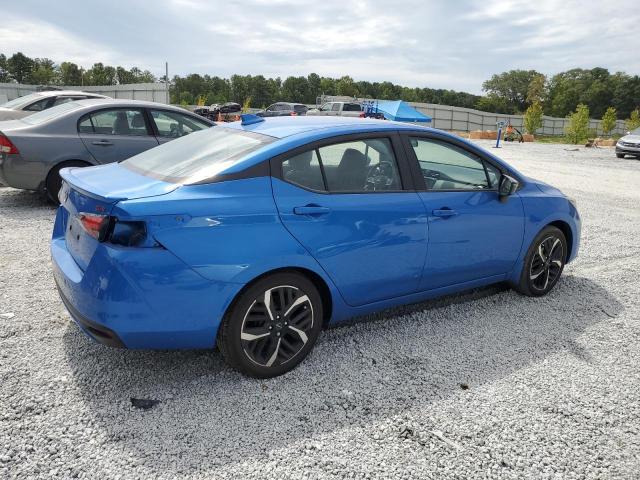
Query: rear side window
x,y
300,108
367,165
38,106
175,124
197,157
120,121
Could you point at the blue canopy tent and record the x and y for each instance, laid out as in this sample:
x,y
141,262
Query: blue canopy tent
x,y
400,111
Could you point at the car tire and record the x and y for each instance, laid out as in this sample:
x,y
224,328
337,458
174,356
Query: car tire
x,y
620,155
54,181
272,325
544,263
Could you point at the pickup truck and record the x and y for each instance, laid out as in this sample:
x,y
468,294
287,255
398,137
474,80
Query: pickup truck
x,y
339,109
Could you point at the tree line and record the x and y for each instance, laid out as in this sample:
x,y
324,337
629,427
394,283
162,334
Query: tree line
x,y
512,92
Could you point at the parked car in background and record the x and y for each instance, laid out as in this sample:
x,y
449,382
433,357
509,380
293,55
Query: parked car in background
x,y
283,109
629,144
36,102
338,109
257,234
82,133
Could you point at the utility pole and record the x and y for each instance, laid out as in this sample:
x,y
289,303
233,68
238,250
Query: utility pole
x,y
166,81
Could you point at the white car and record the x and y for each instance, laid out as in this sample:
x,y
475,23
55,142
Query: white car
x,y
36,102
629,144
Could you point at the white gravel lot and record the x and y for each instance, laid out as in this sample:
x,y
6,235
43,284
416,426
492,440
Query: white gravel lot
x,y
487,385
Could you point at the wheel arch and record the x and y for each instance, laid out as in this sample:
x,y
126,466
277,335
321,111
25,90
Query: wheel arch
x,y
315,278
62,162
565,228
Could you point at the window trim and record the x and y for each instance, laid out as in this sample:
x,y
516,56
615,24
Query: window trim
x,y
406,176
417,171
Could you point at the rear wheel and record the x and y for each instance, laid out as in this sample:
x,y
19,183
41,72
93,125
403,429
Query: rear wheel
x,y
54,181
272,326
544,263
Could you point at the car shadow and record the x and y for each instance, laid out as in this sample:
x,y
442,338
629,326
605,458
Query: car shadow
x,y
362,373
14,203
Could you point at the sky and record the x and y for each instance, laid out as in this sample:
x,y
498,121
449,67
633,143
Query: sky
x,y
429,43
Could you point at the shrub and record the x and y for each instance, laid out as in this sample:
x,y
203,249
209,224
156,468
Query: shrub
x,y
533,118
633,121
608,121
577,129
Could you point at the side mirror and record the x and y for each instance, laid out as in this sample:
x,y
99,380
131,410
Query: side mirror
x,y
508,186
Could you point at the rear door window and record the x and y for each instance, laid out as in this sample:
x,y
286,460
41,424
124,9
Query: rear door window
x,y
174,124
351,107
121,121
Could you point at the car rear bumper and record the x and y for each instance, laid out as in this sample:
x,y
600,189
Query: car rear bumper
x,y
15,172
139,297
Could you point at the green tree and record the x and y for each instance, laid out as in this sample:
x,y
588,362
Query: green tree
x,y
20,67
537,91
512,86
609,120
492,103
533,118
633,121
4,69
346,86
577,129
43,72
69,74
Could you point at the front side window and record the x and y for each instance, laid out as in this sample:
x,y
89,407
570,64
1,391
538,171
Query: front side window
x,y
119,121
326,107
335,107
448,167
197,157
175,124
367,165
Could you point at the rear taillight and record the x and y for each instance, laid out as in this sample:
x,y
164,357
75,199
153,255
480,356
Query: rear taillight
x,y
294,114
105,228
6,146
95,225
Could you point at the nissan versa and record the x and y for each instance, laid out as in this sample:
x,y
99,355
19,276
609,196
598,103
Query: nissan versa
x,y
254,235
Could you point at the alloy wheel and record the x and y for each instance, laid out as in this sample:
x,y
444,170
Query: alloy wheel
x,y
546,263
275,328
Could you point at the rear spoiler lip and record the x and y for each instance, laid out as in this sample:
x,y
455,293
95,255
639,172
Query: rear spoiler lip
x,y
77,184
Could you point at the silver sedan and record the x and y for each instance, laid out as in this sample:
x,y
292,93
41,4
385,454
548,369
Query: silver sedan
x,y
82,133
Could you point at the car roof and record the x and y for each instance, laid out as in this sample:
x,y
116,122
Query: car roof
x,y
118,102
55,93
281,127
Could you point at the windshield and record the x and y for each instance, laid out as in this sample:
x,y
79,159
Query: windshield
x,y
50,113
22,100
197,157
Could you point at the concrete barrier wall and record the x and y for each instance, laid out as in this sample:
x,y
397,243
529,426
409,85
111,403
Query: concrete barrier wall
x,y
152,92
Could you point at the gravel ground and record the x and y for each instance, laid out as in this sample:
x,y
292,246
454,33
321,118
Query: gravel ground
x,y
485,385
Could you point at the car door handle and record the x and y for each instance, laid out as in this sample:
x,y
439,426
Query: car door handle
x,y
311,210
102,143
444,212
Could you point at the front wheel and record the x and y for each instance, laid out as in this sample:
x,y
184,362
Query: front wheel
x,y
544,263
272,326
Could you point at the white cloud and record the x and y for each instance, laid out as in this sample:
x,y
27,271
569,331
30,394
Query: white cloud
x,y
440,44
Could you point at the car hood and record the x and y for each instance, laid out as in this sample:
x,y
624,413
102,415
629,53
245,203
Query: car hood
x,y
631,138
113,183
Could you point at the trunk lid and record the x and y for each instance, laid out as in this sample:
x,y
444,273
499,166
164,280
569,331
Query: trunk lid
x,y
96,190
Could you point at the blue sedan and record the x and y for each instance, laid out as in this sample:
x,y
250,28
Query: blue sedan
x,y
255,235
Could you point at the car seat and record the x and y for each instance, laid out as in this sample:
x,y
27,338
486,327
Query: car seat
x,y
121,124
302,173
351,174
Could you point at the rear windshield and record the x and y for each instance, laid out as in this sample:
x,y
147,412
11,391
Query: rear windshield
x,y
22,100
351,107
198,156
50,113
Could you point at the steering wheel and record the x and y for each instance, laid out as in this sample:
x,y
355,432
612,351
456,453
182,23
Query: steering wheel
x,y
380,176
